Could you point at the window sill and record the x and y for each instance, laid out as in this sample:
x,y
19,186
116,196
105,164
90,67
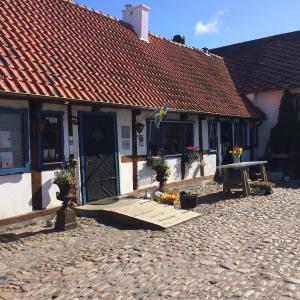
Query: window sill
x,y
52,166
173,156
14,171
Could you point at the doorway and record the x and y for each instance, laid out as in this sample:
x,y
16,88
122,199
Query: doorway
x,y
98,156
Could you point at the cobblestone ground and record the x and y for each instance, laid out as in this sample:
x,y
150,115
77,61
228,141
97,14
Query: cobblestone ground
x,y
239,248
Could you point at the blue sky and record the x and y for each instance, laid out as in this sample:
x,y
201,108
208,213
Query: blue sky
x,y
213,23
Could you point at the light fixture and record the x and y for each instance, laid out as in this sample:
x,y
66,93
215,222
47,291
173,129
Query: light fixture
x,y
139,127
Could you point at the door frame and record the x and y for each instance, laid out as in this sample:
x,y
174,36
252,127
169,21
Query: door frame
x,y
81,115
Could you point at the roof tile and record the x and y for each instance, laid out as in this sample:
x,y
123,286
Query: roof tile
x,y
60,49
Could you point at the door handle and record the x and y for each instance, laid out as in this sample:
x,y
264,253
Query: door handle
x,y
111,178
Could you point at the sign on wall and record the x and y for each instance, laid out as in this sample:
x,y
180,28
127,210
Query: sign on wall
x,y
5,139
125,134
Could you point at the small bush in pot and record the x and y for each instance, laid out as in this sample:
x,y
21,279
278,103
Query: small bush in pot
x,y
67,184
262,187
160,166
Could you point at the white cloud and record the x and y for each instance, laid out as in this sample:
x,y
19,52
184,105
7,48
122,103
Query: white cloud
x,y
211,26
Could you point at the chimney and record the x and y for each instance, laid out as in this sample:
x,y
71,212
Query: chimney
x,y
178,38
137,16
205,50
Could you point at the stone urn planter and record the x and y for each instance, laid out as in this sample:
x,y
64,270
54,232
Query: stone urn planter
x,y
66,216
159,165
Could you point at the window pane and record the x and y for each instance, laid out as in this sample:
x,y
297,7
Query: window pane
x,y
51,140
169,138
153,141
212,135
188,135
11,141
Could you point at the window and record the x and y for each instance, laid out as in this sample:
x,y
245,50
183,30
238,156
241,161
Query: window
x,y
170,139
212,135
51,148
241,134
14,150
254,135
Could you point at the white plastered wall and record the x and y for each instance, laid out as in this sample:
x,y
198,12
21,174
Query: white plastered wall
x,y
15,190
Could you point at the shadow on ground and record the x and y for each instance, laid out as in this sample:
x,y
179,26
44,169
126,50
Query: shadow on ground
x,y
12,237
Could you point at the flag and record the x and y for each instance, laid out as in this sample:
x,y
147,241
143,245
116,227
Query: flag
x,y
160,114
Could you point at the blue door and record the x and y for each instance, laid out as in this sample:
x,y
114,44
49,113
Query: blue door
x,y
98,152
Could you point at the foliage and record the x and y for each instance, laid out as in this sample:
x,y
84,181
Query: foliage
x,y
236,151
192,154
262,186
168,198
159,165
283,135
64,176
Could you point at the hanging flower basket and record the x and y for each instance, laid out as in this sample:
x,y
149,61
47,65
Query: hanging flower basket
x,y
192,154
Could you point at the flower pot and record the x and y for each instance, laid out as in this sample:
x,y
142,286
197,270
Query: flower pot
x,y
188,201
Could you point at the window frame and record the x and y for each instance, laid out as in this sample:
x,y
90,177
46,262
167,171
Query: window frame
x,y
23,112
60,116
182,140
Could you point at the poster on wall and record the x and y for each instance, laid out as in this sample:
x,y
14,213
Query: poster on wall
x,y
6,160
5,139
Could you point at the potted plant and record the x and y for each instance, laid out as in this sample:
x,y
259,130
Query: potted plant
x,y
188,200
261,188
192,154
236,153
160,166
67,183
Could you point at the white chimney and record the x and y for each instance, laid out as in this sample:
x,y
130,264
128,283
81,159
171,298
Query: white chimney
x,y
137,16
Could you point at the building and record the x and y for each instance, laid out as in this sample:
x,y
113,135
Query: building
x,y
262,69
76,83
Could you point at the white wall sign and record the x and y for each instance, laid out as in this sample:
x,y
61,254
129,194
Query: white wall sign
x,y
125,144
5,139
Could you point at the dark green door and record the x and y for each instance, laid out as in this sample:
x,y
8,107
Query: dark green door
x,y
98,155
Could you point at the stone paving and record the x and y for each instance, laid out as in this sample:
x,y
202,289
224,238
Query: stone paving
x,y
240,248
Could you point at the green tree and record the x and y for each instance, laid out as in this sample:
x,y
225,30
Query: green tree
x,y
284,134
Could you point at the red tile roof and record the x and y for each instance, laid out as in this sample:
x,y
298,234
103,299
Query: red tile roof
x,y
61,49
264,64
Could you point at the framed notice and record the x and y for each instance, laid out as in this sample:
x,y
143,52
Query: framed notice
x,y
6,160
5,139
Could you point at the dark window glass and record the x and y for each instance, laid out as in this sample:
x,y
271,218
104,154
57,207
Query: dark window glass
x,y
212,135
11,141
240,134
254,135
170,139
51,139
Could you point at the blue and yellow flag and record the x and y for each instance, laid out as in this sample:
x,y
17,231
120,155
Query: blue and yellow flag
x,y
160,114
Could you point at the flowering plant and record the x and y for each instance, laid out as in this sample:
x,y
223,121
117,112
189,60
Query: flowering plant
x,y
192,153
236,151
168,198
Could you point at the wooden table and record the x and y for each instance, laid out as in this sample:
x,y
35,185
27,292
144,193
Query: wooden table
x,y
244,170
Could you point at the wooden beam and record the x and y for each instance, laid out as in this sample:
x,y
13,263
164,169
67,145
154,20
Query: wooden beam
x,y
134,113
36,176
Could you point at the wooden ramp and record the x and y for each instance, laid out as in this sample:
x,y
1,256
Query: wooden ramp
x,y
145,213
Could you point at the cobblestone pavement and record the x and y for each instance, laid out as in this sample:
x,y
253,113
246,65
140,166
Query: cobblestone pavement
x,y
239,248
